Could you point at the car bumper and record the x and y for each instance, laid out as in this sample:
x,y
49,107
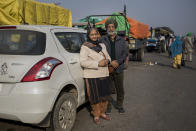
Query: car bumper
x,y
28,102
151,45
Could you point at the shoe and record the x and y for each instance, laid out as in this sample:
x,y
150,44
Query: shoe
x,y
108,111
175,67
105,117
96,121
121,110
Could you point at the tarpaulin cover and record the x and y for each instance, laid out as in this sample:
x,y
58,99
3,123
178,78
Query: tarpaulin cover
x,y
89,19
13,12
136,29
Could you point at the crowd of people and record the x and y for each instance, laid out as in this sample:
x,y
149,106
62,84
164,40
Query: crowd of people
x,y
181,50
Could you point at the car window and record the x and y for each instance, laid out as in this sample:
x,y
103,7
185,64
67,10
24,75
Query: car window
x,y
22,42
70,41
84,37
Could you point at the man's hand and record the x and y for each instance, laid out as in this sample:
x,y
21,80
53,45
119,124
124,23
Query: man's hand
x,y
103,62
115,64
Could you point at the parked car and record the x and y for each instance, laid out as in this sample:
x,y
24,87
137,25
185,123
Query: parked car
x,y
40,75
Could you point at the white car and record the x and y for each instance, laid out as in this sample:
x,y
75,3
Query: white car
x,y
40,75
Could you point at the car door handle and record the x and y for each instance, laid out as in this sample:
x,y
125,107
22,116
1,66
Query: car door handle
x,y
73,61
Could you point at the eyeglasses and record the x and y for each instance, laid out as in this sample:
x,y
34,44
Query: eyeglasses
x,y
94,34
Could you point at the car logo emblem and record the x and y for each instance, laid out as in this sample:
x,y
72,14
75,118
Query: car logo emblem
x,y
3,69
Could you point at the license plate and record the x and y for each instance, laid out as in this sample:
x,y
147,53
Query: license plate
x,y
132,41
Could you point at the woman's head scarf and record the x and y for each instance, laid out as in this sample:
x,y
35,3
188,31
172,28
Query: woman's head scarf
x,y
96,46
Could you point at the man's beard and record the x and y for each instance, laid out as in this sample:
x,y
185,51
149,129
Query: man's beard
x,y
110,33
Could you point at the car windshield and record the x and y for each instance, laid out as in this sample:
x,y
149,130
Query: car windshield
x,y
22,42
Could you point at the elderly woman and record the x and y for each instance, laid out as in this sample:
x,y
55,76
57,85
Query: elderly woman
x,y
94,59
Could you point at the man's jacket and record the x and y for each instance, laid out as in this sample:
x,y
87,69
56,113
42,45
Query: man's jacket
x,y
120,50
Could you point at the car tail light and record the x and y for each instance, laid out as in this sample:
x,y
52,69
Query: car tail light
x,y
7,27
41,70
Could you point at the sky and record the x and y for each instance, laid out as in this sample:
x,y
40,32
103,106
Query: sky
x,y
179,15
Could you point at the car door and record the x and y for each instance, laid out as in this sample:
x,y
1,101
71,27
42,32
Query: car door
x,y
69,44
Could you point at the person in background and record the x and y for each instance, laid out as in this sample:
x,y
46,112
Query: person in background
x,y
183,63
176,52
188,47
194,40
117,49
171,39
94,59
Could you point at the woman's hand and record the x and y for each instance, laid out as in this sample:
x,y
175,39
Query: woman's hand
x,y
103,62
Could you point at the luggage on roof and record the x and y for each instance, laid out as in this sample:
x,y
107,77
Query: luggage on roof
x,y
14,12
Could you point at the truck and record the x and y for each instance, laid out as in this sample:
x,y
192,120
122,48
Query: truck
x,y
158,39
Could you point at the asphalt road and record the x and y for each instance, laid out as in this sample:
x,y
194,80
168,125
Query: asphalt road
x,y
157,98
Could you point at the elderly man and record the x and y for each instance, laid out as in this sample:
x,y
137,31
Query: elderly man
x,y
188,47
116,47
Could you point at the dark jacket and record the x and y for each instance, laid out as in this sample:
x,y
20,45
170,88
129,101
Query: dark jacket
x,y
120,50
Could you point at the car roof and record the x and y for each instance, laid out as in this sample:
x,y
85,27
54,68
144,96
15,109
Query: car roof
x,y
43,28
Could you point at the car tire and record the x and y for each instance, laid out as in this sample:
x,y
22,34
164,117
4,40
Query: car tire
x,y
134,56
140,54
64,113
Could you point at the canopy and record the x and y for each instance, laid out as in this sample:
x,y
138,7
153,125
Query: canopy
x,y
14,12
91,19
83,23
164,30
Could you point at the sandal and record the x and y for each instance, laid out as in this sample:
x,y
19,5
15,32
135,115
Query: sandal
x,y
96,120
105,117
